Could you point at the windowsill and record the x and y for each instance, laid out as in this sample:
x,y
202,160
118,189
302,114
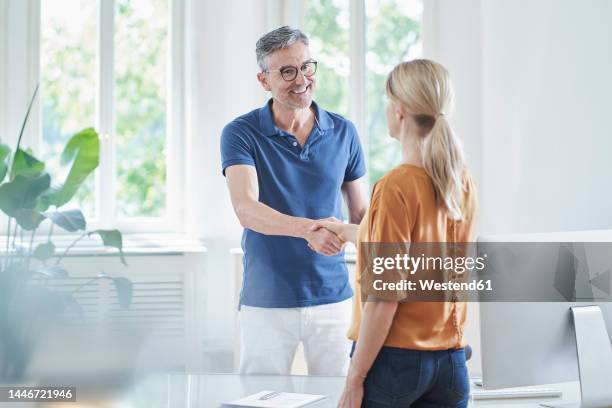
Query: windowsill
x,y
133,244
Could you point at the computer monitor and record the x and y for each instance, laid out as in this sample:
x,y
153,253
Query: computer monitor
x,y
532,343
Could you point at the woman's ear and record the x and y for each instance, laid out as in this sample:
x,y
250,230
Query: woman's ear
x,y
398,112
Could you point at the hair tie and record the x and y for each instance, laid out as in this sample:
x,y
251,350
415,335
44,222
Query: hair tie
x,y
439,114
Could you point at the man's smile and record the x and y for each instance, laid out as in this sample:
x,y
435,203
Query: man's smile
x,y
301,91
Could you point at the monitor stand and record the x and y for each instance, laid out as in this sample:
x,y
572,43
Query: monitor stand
x,y
594,359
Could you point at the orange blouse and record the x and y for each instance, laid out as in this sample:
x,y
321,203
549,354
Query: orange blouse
x,y
403,208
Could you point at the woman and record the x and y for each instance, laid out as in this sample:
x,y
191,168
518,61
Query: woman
x,y
411,354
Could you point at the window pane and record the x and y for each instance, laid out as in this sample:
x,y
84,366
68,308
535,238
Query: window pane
x,y
141,52
68,84
327,26
393,34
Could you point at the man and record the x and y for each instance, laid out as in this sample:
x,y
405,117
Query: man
x,y
286,165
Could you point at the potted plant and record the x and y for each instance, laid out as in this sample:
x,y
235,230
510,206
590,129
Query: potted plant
x,y
28,199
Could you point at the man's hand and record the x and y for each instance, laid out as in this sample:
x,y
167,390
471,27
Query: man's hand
x,y
345,232
323,241
332,225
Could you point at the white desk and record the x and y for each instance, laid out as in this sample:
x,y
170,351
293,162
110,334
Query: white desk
x,y
570,390
210,390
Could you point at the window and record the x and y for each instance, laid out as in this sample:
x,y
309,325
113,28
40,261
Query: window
x,y
106,64
327,25
141,37
388,31
393,34
67,82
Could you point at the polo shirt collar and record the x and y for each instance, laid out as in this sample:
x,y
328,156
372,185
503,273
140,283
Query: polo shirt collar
x,y
269,128
325,121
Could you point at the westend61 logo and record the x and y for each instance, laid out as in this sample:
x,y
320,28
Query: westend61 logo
x,y
413,264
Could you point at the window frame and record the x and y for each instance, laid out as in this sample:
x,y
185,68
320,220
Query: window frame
x,y
357,75
106,178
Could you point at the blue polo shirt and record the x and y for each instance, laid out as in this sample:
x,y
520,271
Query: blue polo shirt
x,y
281,271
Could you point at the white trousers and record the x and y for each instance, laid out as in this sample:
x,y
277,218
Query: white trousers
x,y
269,338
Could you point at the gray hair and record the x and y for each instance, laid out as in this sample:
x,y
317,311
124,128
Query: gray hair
x,y
282,37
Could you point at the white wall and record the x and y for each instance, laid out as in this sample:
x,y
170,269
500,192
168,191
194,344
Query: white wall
x,y
451,36
534,91
547,98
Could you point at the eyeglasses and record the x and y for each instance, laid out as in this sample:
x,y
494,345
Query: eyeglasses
x,y
289,73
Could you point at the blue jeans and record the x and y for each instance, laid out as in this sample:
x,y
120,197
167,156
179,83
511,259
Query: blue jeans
x,y
402,378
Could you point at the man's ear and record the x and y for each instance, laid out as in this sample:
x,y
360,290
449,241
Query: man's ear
x,y
263,80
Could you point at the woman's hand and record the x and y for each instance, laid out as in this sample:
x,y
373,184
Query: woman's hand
x,y
332,225
332,243
346,232
352,396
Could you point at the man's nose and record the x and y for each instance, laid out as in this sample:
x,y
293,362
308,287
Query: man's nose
x,y
300,78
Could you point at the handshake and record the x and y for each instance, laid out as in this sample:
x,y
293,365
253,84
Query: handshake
x,y
327,236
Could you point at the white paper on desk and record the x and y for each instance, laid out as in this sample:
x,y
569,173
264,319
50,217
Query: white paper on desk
x,y
282,400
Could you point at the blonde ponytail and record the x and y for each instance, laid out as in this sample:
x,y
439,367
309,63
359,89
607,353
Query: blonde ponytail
x,y
443,162
423,87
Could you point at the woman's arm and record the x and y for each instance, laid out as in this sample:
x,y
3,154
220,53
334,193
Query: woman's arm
x,y
375,324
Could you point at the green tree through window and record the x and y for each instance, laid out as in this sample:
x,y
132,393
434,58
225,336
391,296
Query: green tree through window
x,y
68,94
68,82
327,26
393,34
141,38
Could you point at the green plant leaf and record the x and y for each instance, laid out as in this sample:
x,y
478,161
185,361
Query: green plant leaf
x,y
27,115
44,201
25,164
5,156
70,220
44,251
23,192
83,150
29,219
111,238
124,289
